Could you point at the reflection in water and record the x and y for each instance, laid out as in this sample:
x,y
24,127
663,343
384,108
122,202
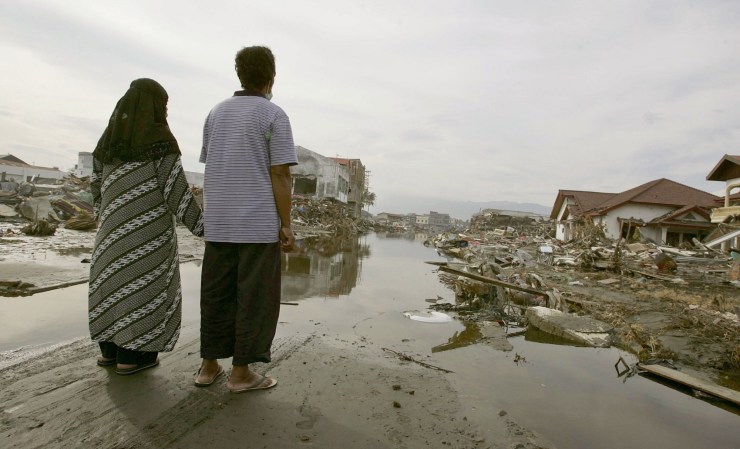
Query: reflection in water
x,y
323,267
403,235
470,335
537,336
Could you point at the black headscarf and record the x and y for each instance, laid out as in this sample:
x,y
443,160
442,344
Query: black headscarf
x,y
138,130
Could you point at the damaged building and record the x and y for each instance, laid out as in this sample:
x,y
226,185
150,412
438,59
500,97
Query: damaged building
x,y
13,169
662,211
321,177
727,212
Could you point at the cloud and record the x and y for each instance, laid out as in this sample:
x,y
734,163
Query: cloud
x,y
476,101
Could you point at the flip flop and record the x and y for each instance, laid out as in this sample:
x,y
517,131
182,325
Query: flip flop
x,y
259,385
105,362
137,368
210,382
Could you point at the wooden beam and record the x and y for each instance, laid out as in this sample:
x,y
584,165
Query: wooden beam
x,y
690,381
443,266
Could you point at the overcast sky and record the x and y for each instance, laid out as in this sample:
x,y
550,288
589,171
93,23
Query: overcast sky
x,y
470,100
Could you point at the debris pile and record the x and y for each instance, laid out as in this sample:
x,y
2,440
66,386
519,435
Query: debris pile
x,y
47,206
312,217
662,302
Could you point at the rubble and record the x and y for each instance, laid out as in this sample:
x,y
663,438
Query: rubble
x,y
323,218
624,284
48,206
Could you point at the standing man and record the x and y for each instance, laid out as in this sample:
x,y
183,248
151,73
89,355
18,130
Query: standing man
x,y
248,150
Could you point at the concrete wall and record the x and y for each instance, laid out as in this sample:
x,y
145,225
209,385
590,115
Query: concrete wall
x,y
331,178
562,228
642,212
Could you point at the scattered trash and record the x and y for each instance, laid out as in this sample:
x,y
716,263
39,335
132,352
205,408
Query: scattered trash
x,y
428,316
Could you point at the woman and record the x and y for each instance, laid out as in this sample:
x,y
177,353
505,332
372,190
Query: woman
x,y
138,185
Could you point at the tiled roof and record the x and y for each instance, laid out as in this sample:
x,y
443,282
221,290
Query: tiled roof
x,y
583,201
673,215
660,191
727,168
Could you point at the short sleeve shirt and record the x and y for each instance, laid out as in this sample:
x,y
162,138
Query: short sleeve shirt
x,y
243,137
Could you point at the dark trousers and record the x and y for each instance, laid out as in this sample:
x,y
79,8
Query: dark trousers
x,y
239,301
124,356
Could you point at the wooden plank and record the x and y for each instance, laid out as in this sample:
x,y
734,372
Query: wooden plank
x,y
443,266
654,276
690,381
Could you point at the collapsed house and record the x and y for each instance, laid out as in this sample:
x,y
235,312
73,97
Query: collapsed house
x,y
661,211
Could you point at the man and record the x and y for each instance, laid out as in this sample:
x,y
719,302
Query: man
x,y
248,149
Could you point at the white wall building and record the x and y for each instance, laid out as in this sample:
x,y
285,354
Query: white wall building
x,y
319,177
84,165
662,210
12,170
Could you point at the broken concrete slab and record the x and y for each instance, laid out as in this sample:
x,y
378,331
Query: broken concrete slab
x,y
7,211
584,330
38,208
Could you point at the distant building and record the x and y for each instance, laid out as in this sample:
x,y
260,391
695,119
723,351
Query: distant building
x,y
389,219
14,169
438,222
195,179
84,165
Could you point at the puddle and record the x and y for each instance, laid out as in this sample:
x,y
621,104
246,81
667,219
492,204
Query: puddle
x,y
361,287
470,335
428,316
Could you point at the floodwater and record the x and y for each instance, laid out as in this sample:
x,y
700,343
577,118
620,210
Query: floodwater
x,y
572,396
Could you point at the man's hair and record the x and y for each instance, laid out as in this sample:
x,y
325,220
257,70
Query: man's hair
x,y
255,67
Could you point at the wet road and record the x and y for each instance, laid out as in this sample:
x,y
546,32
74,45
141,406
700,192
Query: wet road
x,y
572,396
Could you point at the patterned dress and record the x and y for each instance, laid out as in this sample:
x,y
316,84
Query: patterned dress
x,y
134,292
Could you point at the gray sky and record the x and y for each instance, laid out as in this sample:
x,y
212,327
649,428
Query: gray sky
x,y
470,100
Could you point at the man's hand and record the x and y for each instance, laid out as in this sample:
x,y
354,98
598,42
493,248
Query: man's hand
x,y
287,239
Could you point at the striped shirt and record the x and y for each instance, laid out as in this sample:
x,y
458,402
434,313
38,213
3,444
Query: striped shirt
x,y
243,137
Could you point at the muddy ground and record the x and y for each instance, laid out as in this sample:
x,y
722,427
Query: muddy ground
x,y
692,325
333,391
687,317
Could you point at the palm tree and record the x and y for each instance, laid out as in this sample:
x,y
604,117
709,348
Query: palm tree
x,y
368,198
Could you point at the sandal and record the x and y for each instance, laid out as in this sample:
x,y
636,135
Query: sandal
x,y
102,361
136,368
263,383
211,380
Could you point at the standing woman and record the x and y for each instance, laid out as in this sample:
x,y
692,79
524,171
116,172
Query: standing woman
x,y
138,185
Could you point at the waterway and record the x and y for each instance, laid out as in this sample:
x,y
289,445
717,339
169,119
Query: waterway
x,y
571,395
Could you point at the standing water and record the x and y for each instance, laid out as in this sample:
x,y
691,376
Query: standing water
x,y
362,286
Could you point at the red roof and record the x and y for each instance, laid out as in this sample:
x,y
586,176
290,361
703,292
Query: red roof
x,y
583,201
660,191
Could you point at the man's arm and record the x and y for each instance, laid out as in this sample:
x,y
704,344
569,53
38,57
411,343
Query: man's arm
x,y
281,189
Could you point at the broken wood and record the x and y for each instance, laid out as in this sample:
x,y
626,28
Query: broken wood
x,y
408,358
651,275
690,381
443,266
